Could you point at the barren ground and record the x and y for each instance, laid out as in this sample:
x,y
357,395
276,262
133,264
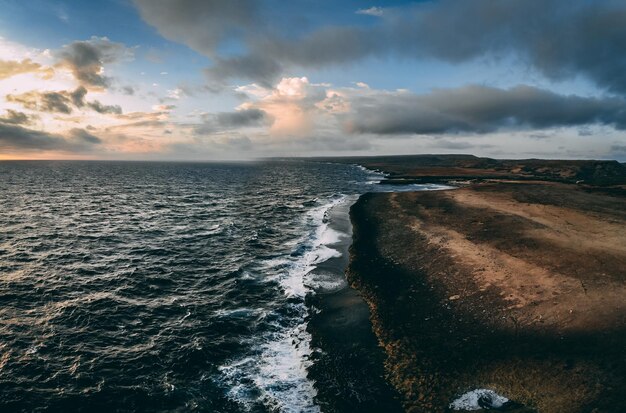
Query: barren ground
x,y
519,286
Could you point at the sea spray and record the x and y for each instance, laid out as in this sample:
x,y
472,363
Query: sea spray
x,y
277,376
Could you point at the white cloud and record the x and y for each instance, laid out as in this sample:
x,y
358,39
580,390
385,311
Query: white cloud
x,y
372,11
292,87
175,94
163,108
335,102
254,90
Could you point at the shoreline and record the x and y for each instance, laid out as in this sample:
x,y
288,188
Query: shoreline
x,y
347,368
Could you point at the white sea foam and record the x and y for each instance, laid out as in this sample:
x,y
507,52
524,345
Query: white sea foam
x,y
469,400
374,177
277,377
239,312
413,187
326,282
317,250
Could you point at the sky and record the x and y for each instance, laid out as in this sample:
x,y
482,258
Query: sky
x,y
241,79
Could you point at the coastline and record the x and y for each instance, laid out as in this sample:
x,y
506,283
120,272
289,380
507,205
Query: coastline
x,y
347,367
516,286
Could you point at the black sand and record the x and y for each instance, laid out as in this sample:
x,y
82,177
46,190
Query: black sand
x,y
348,372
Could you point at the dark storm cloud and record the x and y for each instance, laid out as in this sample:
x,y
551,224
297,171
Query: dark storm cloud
x,y
15,137
560,39
201,24
480,109
87,58
62,101
215,122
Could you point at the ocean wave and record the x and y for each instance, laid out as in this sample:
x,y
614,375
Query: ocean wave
x,y
374,176
413,187
276,377
128,285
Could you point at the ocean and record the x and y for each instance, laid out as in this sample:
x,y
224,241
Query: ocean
x,y
149,286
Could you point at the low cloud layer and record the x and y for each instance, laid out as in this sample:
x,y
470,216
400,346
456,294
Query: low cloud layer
x,y
479,109
295,107
18,138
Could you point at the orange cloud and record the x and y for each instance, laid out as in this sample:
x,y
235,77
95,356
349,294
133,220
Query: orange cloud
x,y
10,68
288,106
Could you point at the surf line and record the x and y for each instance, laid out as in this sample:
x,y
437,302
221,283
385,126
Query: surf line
x,y
276,376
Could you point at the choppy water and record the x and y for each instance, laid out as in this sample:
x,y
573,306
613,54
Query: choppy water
x,y
161,286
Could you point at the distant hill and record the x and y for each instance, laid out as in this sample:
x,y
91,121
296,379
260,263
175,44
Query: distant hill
x,y
418,168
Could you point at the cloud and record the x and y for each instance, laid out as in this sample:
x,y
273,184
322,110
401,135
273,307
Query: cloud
x,y
44,101
291,106
86,60
216,122
297,108
100,108
62,101
262,69
81,135
13,117
201,24
252,90
618,149
175,94
335,102
448,144
562,40
372,11
143,116
18,138
241,118
9,68
128,90
163,108
479,109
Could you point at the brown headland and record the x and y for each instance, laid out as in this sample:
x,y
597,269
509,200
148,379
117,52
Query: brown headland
x,y
515,281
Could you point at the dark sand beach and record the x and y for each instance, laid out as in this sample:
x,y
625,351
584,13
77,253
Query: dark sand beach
x,y
348,371
514,282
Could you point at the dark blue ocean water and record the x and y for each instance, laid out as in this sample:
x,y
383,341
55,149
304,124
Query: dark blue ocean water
x,y
161,286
